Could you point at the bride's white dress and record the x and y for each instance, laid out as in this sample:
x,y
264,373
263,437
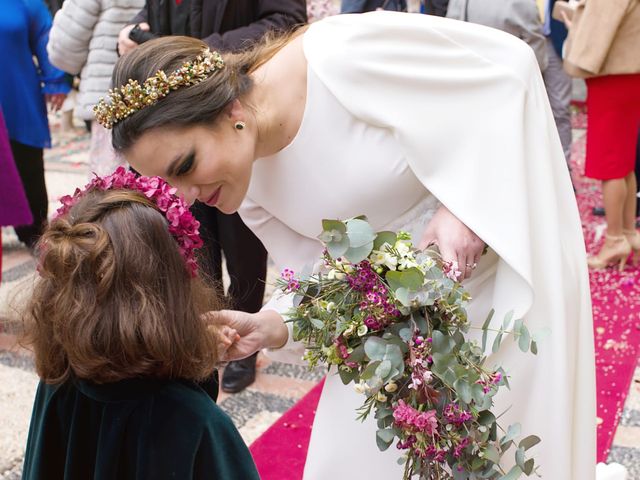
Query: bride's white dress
x,y
406,111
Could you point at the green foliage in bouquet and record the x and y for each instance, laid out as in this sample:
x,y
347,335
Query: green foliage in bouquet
x,y
392,319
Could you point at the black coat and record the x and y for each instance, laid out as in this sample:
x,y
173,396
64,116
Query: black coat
x,y
228,24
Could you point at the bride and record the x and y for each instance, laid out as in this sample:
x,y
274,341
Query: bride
x,y
421,123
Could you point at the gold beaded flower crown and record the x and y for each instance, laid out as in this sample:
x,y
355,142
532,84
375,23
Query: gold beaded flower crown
x,y
132,96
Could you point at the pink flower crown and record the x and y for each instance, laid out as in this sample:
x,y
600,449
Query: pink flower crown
x,y
182,224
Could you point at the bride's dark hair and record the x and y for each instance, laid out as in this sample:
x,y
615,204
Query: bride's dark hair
x,y
199,104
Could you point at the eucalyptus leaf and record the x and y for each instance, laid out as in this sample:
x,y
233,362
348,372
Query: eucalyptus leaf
x,y
485,326
512,432
357,355
369,370
525,339
463,390
328,225
347,376
513,474
496,343
412,278
534,347
375,348
394,280
402,295
338,248
383,369
517,325
507,320
541,334
487,322
384,438
441,343
384,237
357,254
420,321
383,412
486,418
528,466
491,453
529,442
520,458
406,334
360,233
393,353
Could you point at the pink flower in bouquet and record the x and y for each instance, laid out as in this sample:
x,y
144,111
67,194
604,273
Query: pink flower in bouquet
x,y
457,451
455,415
410,419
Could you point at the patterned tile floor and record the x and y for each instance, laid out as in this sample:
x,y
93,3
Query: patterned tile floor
x,y
277,387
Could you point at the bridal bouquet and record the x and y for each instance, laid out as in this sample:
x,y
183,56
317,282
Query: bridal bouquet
x,y
392,320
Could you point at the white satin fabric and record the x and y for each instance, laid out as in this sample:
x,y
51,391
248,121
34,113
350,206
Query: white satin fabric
x,y
405,109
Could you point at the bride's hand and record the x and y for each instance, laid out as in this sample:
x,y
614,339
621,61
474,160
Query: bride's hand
x,y
457,243
255,331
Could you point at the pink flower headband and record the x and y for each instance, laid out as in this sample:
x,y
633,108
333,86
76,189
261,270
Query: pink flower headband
x,y
182,224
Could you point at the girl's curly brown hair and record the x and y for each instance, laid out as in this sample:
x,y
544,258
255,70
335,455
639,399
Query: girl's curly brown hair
x,y
114,299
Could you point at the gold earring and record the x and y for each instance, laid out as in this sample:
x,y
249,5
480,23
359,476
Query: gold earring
x,y
239,125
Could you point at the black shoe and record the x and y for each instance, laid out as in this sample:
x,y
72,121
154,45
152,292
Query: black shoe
x,y
239,375
598,211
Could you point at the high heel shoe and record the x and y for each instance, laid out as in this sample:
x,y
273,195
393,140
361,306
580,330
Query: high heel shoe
x,y
616,249
633,237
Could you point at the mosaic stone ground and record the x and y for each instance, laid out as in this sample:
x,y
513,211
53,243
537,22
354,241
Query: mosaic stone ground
x,y
277,387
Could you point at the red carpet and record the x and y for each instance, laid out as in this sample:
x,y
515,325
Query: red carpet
x,y
280,452
616,309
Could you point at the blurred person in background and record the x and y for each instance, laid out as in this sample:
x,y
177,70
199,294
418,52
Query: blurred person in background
x,y
318,9
435,7
520,18
83,42
54,5
14,209
556,80
602,47
361,6
25,89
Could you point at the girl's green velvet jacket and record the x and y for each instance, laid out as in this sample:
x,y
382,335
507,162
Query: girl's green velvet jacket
x,y
140,429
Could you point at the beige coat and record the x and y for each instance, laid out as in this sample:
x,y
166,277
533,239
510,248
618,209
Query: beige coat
x,y
604,39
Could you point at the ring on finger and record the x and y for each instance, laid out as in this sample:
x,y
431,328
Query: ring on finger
x,y
471,266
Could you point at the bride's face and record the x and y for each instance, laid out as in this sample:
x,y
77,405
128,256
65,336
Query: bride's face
x,y
209,164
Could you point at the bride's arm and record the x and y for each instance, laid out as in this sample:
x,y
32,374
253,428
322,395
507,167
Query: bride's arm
x,y
287,249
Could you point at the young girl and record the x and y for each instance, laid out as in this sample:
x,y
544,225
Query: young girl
x,y
116,326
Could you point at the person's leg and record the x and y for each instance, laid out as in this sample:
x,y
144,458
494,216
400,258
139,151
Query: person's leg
x,y
630,214
210,255
30,163
616,247
614,195
246,260
210,262
631,201
558,85
637,172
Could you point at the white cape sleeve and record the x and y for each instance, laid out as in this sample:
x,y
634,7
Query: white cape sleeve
x,y
470,112
468,106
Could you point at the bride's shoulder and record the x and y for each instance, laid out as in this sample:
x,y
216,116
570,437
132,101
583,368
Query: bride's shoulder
x,y
290,60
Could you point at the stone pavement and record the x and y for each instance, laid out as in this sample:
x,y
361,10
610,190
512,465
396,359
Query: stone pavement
x,y
277,387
